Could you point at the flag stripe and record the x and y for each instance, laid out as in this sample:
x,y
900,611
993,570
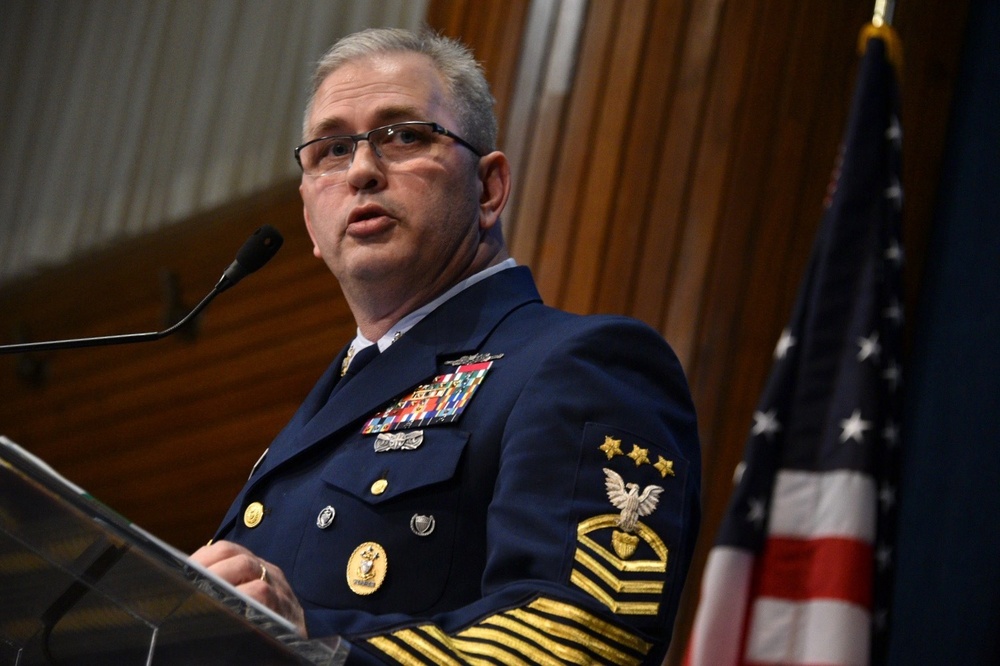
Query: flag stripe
x,y
797,569
825,632
714,641
822,504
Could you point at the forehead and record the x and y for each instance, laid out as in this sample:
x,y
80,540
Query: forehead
x,y
379,89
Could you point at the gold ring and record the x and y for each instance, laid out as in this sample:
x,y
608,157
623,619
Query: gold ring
x,y
263,572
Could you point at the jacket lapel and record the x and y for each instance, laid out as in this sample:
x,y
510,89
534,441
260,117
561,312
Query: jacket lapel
x,y
458,327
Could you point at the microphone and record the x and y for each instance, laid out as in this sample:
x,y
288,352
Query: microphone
x,y
263,244
257,251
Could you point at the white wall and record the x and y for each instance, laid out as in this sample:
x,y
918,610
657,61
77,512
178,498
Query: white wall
x,y
120,116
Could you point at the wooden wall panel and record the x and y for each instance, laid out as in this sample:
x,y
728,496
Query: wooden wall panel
x,y
685,110
494,30
677,175
575,143
680,178
593,221
632,215
167,431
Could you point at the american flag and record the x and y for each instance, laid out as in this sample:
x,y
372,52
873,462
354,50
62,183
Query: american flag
x,y
801,568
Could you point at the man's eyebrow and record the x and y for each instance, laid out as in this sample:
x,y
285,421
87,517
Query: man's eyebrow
x,y
385,116
326,128
399,113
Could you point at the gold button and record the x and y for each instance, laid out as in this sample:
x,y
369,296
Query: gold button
x,y
379,487
253,515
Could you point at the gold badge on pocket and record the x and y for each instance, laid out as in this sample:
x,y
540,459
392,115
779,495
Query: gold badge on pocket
x,y
366,568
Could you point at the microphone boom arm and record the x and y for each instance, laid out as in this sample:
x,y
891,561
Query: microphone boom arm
x,y
107,340
263,244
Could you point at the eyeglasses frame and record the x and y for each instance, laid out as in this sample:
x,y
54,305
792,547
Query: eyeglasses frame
x,y
366,136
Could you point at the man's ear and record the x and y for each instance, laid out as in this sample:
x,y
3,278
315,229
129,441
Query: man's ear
x,y
494,174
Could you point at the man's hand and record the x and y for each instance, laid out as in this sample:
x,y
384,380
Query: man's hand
x,y
254,577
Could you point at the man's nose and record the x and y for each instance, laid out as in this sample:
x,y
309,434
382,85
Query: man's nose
x,y
371,145
365,170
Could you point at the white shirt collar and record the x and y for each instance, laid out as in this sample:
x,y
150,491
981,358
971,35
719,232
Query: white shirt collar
x,y
412,319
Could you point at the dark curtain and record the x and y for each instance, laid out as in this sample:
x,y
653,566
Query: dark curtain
x,y
947,597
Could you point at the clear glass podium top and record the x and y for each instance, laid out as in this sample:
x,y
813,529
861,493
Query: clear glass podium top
x,y
80,585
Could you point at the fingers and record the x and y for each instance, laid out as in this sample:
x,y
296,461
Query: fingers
x,y
270,587
257,578
233,563
218,551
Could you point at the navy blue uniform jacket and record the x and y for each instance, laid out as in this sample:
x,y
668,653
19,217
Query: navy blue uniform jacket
x,y
502,534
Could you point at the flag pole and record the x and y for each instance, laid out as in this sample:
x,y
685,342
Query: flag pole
x,y
881,28
883,13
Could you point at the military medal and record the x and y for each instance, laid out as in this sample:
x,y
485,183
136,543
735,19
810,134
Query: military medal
x,y
366,568
442,400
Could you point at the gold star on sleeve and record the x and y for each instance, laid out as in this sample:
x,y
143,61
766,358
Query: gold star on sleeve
x,y
639,455
665,466
611,447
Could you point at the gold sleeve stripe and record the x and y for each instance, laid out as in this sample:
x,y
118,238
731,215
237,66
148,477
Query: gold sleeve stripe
x,y
636,566
492,653
563,652
534,654
648,535
620,607
411,639
433,654
591,622
608,653
546,632
390,648
446,642
434,632
617,584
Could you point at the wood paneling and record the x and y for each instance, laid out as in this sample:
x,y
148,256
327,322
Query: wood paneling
x,y
167,431
494,31
678,176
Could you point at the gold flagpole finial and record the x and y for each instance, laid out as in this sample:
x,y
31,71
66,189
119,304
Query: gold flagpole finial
x,y
881,28
883,13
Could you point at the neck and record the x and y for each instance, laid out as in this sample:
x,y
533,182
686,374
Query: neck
x,y
378,307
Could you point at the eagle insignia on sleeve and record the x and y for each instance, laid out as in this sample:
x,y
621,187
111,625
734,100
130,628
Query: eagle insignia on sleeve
x,y
621,555
626,498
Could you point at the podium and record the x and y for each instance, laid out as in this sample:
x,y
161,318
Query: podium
x,y
79,584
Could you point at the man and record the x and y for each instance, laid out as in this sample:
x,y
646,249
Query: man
x,y
503,480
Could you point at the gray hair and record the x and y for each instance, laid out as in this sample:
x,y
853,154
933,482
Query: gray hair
x,y
469,93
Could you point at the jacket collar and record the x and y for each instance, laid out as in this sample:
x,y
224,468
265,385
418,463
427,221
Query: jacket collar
x,y
458,327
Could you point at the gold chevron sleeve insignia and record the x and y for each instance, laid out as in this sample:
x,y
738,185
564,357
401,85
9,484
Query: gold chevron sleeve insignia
x,y
546,631
627,586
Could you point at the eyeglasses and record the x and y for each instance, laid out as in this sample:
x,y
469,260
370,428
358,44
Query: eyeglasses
x,y
398,142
